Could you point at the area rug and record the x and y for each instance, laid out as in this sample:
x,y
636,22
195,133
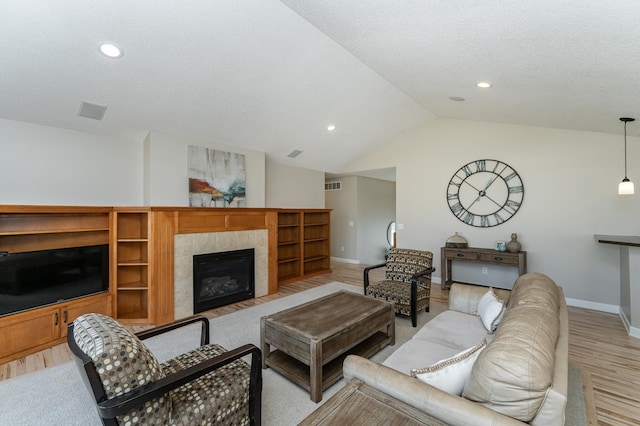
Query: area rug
x,y
58,396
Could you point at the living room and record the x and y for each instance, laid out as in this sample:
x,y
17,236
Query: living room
x,y
570,159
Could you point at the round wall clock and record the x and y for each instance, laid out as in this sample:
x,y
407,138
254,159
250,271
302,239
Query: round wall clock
x,y
485,193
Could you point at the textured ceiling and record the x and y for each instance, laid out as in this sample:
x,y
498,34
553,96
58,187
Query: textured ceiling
x,y
271,75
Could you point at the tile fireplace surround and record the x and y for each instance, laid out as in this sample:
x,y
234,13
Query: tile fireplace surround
x,y
188,245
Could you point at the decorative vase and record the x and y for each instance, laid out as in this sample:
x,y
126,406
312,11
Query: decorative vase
x,y
514,245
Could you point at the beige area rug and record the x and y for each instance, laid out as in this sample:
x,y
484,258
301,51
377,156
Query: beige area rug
x,y
58,396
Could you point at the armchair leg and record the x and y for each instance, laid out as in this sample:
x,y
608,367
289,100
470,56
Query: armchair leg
x,y
414,303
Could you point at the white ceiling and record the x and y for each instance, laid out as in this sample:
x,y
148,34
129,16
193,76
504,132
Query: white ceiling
x,y
271,75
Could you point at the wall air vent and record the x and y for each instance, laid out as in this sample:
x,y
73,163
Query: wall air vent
x,y
333,186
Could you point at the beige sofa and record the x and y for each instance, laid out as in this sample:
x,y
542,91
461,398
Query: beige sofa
x,y
519,377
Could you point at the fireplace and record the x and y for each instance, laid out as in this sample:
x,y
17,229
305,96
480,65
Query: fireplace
x,y
222,278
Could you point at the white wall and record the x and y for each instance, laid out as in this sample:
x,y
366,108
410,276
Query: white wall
x,y
42,165
344,205
362,210
51,166
376,208
570,181
293,187
167,179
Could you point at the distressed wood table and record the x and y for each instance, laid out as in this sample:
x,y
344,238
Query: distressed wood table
x,y
478,255
312,339
357,404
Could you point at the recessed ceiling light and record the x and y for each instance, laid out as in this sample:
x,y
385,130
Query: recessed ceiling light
x,y
484,84
331,127
456,98
110,50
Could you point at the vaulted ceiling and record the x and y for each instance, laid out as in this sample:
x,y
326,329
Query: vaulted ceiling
x,y
272,75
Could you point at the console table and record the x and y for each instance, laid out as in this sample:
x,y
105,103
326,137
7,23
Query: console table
x,y
478,255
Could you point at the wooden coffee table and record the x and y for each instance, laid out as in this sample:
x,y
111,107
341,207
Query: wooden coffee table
x,y
313,339
357,404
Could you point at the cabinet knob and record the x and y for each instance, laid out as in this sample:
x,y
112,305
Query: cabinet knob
x,y
497,259
55,321
65,316
460,255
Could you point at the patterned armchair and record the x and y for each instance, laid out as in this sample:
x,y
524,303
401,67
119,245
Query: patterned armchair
x,y
208,385
407,281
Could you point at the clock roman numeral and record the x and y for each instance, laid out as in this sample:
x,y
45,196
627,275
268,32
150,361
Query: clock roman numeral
x,y
512,205
456,208
453,196
467,170
484,221
498,218
468,218
510,176
516,189
481,166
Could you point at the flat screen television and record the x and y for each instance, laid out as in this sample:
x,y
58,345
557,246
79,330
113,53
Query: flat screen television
x,y
38,278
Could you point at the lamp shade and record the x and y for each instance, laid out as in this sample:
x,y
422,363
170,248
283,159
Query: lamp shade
x,y
625,187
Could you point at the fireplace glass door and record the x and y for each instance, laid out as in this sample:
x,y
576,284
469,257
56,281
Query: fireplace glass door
x,y
222,278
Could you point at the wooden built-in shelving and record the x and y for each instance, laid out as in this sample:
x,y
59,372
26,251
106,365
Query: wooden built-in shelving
x,y
304,247
132,263
141,267
31,228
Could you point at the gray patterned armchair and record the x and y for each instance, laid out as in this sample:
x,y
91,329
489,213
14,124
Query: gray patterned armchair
x,y
407,281
208,385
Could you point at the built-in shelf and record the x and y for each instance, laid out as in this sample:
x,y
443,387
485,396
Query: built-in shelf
x,y
31,228
303,243
132,259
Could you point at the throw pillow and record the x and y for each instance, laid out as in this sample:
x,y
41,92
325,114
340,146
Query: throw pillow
x,y
490,309
451,374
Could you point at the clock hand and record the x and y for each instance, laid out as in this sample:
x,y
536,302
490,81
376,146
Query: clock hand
x,y
489,183
493,201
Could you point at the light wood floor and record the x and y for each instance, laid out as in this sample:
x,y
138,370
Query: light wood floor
x,y
598,342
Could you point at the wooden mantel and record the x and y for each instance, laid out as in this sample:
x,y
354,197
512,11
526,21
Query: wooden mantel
x,y
167,222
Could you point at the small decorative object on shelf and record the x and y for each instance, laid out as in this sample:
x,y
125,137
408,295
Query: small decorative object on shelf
x,y
456,241
514,245
501,246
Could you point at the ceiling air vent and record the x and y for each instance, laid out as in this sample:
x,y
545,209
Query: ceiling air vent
x,y
333,186
89,110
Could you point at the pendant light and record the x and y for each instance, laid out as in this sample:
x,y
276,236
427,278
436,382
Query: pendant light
x,y
626,186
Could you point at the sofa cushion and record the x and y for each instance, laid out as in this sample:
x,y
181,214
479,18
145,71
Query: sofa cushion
x,y
455,329
452,373
491,310
438,340
514,373
417,353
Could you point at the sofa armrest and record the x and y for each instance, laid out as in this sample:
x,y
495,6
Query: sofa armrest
x,y
465,297
451,409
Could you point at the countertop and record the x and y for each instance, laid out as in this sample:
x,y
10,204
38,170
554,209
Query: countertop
x,y
622,240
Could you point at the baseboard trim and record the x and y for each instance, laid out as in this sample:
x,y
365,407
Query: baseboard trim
x,y
343,260
596,306
631,331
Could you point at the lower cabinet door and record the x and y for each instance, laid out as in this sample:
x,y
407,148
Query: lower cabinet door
x,y
98,304
23,333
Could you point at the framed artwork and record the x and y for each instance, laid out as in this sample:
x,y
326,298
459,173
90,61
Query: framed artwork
x,y
216,178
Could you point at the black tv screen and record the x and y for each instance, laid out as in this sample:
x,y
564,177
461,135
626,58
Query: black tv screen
x,y
38,278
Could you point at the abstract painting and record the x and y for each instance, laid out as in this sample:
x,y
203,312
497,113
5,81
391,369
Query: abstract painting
x,y
216,178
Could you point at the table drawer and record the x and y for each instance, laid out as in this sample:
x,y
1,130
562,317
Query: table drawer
x,y
459,254
501,258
